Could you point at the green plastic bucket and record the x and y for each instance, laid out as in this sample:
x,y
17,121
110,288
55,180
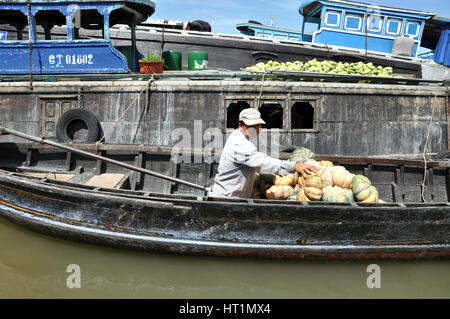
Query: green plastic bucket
x,y
172,60
198,60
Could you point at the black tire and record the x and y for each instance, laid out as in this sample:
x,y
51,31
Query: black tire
x,y
77,120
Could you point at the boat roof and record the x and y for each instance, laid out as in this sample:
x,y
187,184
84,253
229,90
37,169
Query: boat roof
x,y
309,6
140,10
246,27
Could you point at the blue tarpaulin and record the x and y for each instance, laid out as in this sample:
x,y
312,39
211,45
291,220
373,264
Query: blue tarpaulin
x,y
442,52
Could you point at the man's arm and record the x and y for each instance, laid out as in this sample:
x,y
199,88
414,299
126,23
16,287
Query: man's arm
x,y
271,165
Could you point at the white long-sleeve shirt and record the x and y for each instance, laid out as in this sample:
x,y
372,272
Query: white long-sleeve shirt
x,y
238,164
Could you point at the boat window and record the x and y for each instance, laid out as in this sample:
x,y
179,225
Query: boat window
x,y
353,22
302,115
272,114
13,25
332,18
412,28
393,26
233,111
374,23
45,20
87,24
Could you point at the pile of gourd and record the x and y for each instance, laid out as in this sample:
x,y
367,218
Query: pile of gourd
x,y
326,66
330,184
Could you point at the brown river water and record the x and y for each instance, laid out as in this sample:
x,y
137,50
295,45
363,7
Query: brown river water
x,y
36,266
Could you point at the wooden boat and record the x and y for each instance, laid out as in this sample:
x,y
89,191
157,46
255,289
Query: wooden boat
x,y
58,193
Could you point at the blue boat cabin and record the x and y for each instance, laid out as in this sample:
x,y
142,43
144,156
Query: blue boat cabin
x,y
253,28
363,26
30,46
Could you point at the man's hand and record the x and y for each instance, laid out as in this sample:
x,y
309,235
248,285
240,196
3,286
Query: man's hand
x,y
306,169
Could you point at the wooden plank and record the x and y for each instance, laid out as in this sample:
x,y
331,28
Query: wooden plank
x,y
106,180
54,176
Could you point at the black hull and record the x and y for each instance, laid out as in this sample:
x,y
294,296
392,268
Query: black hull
x,y
235,228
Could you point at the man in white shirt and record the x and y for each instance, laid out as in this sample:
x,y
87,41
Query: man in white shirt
x,y
240,160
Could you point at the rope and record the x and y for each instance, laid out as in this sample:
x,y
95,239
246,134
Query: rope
x,y
425,150
262,87
146,89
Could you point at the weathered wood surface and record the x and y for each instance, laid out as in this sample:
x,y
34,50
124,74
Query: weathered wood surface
x,y
349,119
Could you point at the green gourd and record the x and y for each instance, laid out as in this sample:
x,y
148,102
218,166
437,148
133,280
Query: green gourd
x,y
336,194
363,190
301,155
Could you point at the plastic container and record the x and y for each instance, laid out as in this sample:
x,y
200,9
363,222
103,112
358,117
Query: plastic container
x,y
198,60
403,46
172,60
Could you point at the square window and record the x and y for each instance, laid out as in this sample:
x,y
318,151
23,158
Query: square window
x,y
393,26
332,18
374,23
412,29
353,22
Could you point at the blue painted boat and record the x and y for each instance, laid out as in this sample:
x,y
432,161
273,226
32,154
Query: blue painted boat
x,y
256,29
367,27
31,54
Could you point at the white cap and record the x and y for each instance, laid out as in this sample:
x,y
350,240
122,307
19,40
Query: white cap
x,y
251,116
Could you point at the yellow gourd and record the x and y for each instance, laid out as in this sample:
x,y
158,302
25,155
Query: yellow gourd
x,y
279,192
286,180
342,177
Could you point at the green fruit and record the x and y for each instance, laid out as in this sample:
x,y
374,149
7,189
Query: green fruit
x,y
301,155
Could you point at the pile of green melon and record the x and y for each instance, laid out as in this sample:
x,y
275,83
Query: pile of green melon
x,y
330,184
326,66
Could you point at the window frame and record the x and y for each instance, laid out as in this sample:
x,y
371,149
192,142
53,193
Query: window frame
x,y
315,101
380,19
417,23
9,41
286,102
399,26
338,13
353,15
35,27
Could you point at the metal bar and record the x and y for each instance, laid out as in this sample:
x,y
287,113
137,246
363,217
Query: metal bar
x,y
100,158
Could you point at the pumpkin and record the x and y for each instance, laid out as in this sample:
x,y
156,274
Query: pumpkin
x,y
279,192
312,186
286,180
342,177
336,194
326,173
301,155
373,197
293,194
361,187
313,193
325,164
313,162
301,195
